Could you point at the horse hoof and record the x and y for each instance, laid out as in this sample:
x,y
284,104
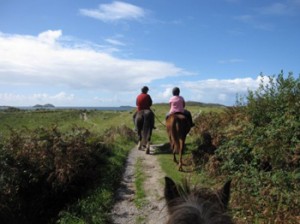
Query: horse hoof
x,y
147,151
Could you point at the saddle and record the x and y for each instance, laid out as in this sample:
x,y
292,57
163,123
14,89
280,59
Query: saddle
x,y
176,113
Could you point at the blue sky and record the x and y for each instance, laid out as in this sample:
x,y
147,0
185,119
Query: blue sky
x,y
100,53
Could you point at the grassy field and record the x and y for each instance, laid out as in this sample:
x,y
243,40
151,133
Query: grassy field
x,y
257,147
21,126
48,135
96,121
105,125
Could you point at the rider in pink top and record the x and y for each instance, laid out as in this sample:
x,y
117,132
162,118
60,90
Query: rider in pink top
x,y
177,105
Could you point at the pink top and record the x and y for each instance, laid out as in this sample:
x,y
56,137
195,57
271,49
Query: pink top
x,y
177,104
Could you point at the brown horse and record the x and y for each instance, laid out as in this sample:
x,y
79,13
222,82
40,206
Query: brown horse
x,y
178,127
197,205
144,121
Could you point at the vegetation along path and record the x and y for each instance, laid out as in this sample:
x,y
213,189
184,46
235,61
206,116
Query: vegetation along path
x,y
145,205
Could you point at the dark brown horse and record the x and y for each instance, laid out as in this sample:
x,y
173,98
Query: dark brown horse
x,y
178,127
144,121
197,205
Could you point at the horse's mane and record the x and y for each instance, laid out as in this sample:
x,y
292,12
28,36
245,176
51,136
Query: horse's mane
x,y
196,205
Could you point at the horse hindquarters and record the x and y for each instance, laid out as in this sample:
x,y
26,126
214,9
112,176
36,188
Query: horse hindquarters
x,y
147,129
175,139
139,120
179,135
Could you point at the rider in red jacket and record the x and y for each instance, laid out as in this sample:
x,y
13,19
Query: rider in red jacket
x,y
143,101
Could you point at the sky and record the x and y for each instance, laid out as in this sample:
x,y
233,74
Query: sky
x,y
101,53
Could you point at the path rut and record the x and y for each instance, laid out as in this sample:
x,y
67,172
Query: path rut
x,y
154,212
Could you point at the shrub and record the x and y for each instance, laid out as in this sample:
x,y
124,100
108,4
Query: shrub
x,y
258,145
274,111
43,169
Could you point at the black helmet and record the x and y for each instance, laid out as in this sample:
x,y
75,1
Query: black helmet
x,y
176,91
145,89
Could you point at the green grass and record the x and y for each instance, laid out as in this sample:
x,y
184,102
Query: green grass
x,y
95,206
97,121
140,195
140,219
195,177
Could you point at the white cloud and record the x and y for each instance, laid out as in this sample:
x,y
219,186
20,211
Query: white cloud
x,y
114,42
50,36
44,60
222,91
167,93
115,11
76,74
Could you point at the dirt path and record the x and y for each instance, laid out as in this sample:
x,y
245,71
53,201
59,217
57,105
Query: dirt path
x,y
124,211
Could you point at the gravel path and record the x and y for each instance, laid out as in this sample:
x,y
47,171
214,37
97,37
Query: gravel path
x,y
124,211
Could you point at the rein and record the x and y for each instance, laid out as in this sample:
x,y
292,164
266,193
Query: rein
x,y
158,119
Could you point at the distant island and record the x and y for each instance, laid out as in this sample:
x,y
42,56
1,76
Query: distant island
x,y
48,105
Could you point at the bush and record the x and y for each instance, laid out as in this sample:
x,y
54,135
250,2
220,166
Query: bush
x,y
258,145
274,111
42,170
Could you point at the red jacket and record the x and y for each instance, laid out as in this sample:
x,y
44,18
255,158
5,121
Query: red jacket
x,y
143,102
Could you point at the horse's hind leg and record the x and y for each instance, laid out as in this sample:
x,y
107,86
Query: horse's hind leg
x,y
180,164
181,144
140,141
139,145
174,158
180,161
148,148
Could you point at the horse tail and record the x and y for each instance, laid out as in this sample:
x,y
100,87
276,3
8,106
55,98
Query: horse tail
x,y
175,135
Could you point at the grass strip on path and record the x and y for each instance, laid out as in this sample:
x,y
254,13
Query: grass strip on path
x,y
140,196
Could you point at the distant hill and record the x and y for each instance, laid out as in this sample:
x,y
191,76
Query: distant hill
x,y
126,107
48,105
194,103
